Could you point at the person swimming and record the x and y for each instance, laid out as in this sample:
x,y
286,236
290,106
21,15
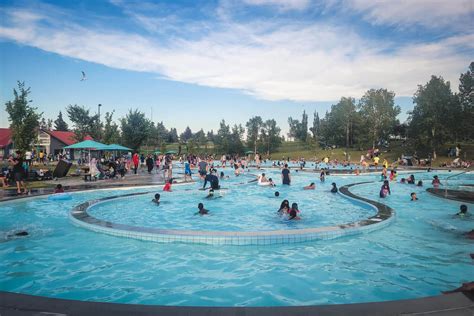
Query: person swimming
x,y
462,211
413,197
59,189
277,194
21,233
284,207
311,186
411,179
156,200
202,210
419,184
293,213
334,188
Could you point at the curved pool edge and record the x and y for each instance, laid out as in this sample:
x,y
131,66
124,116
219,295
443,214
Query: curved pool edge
x,y
24,304
80,217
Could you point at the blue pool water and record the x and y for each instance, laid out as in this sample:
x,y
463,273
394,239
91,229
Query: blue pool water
x,y
422,253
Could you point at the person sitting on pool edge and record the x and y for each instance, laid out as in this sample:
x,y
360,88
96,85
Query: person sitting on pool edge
x,y
202,210
156,200
413,197
312,186
59,189
284,207
293,213
167,187
463,211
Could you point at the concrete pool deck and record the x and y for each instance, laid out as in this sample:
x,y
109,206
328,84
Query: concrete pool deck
x,y
457,304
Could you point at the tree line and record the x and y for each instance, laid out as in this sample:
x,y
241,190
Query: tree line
x,y
439,116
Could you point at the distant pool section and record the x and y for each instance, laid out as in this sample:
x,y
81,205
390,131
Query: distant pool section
x,y
384,216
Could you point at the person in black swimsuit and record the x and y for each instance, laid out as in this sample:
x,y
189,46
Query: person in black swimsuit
x,y
285,175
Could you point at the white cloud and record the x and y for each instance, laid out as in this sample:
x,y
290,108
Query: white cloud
x,y
298,61
283,5
428,13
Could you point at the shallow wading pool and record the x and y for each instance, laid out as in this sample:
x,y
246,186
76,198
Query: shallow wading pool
x,y
420,253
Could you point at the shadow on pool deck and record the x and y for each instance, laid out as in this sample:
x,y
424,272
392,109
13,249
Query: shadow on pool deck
x,y
27,305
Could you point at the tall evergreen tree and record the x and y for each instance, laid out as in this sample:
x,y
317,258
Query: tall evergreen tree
x,y
466,100
111,130
60,124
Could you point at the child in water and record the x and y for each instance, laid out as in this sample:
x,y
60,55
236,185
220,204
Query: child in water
x,y
167,187
384,189
436,183
156,200
462,211
202,210
293,214
334,188
59,189
284,207
413,197
311,186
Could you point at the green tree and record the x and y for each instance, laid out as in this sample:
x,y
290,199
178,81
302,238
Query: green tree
x,y
379,113
303,135
83,123
111,130
299,130
235,145
466,101
429,120
200,139
23,118
222,138
60,124
186,135
254,125
135,129
173,136
270,136
316,128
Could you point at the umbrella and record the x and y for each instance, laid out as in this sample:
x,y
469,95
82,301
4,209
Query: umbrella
x,y
118,147
157,152
248,152
171,152
88,144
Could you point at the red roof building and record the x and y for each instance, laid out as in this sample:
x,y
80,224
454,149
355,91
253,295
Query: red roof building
x,y
6,142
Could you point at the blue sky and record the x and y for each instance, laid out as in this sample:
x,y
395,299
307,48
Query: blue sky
x,y
197,62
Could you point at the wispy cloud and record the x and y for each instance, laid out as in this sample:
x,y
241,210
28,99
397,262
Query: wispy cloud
x,y
283,5
426,13
299,61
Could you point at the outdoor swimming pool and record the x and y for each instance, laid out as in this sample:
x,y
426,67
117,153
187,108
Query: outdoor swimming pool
x,y
422,253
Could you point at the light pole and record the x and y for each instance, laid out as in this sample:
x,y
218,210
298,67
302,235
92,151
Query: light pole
x,y
98,106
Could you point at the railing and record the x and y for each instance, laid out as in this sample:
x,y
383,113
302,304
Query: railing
x,y
452,176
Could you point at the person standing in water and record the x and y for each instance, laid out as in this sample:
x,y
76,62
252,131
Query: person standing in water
x,y
285,175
